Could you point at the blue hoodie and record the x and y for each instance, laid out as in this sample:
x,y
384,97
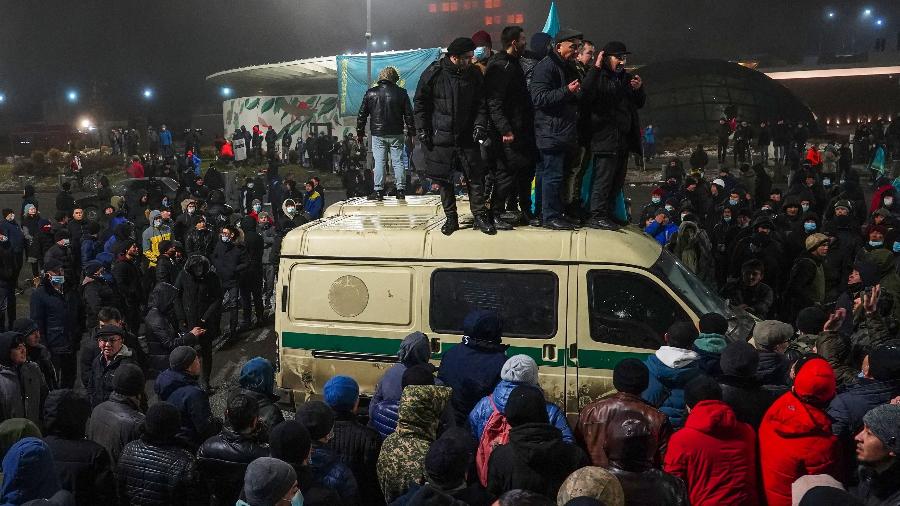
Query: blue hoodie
x,y
670,370
482,411
14,233
28,473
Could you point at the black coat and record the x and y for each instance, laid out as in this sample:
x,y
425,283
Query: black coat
x,y
65,202
162,331
747,398
269,412
613,105
100,382
166,269
84,469
536,459
95,295
508,100
56,322
158,475
650,487
773,369
128,281
229,260
200,300
115,423
253,246
200,242
555,108
389,108
223,459
847,409
358,446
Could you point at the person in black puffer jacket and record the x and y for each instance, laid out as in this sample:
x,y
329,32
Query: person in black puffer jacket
x,y
536,458
166,266
83,466
154,470
740,387
118,421
223,459
356,445
257,380
451,119
230,260
201,239
251,279
96,292
162,331
200,305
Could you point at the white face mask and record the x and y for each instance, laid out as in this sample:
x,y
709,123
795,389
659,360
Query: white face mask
x,y
889,201
65,242
249,185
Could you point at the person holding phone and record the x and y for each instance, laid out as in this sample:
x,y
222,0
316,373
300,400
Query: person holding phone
x,y
612,96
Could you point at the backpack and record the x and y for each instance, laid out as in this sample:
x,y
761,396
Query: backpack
x,y
496,433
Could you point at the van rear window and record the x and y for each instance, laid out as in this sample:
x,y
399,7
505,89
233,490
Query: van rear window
x,y
527,301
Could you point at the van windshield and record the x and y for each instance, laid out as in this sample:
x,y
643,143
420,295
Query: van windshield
x,y
686,284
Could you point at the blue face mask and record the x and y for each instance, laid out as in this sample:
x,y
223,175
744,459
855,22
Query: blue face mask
x,y
876,244
732,202
57,280
896,247
481,53
809,226
297,500
655,200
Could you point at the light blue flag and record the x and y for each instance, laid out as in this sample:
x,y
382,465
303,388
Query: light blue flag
x,y
878,161
551,27
351,73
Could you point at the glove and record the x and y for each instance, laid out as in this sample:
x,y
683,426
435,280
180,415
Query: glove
x,y
425,139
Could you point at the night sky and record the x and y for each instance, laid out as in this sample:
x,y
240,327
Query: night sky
x,y
110,50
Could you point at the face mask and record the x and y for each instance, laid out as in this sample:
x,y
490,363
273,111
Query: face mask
x,y
896,247
290,211
481,52
809,227
11,217
726,219
766,208
876,244
655,200
826,182
107,276
257,207
3,238
191,210
842,181
157,223
57,280
297,500
805,207
888,202
682,216
65,242
226,239
732,202
249,185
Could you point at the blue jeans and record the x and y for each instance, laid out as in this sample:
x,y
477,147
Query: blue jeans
x,y
380,146
550,175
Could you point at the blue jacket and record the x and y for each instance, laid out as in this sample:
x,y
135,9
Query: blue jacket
x,y
709,347
847,409
165,138
472,370
182,391
483,410
313,205
666,388
90,246
50,311
555,108
28,472
662,234
328,471
13,231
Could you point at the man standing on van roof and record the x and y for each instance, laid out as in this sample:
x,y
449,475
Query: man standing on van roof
x,y
473,368
451,119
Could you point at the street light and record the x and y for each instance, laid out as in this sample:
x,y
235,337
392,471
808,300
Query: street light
x,y
226,91
148,93
879,22
2,98
72,96
867,12
830,14
85,124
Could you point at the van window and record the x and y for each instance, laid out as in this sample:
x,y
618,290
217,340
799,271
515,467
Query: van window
x,y
629,309
527,301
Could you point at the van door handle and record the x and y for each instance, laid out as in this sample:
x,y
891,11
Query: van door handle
x,y
549,353
573,353
284,298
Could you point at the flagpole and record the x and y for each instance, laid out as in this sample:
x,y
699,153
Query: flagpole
x,y
368,43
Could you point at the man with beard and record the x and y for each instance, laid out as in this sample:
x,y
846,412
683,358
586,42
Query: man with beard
x,y
450,120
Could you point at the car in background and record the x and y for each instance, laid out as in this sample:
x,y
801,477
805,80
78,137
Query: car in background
x,y
156,187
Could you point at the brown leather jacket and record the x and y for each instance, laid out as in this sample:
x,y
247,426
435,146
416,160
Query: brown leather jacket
x,y
597,419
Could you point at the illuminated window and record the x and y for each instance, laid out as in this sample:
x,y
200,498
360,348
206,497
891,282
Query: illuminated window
x,y
488,4
496,4
454,6
520,18
496,20
445,7
432,8
510,18
467,5
488,20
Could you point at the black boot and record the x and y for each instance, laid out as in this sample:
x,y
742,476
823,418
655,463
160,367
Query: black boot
x,y
500,223
485,223
451,224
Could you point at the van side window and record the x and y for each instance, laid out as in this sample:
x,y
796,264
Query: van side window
x,y
629,309
526,300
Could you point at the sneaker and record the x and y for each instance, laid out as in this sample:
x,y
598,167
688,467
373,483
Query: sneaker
x,y
401,194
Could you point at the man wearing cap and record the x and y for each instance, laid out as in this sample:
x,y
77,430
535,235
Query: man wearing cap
x,y
555,90
877,448
270,482
117,421
806,285
613,97
57,324
771,338
113,354
179,386
451,121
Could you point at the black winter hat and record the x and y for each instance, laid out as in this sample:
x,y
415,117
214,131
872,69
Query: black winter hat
x,y
868,272
181,358
52,264
568,34
739,359
419,374
701,388
290,442
810,320
713,323
460,46
128,380
24,326
162,421
317,417
631,376
884,361
446,463
615,47
483,325
526,404
61,234
66,413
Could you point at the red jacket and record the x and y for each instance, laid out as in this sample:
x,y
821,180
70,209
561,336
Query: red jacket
x,y
135,169
715,455
795,440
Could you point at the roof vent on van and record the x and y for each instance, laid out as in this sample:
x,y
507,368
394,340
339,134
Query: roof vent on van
x,y
375,222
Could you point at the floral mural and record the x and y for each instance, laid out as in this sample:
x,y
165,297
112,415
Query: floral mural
x,y
293,114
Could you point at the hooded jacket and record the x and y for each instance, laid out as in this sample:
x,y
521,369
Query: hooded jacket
x,y
152,236
472,370
357,446
96,293
326,469
230,260
115,423
748,398
715,455
257,380
402,457
200,296
182,391
483,410
670,370
536,459
28,473
50,311
795,437
161,326
414,350
22,388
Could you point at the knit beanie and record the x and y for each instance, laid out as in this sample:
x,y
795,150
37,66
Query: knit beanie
x,y
341,393
825,495
884,422
520,369
446,463
701,388
290,442
267,480
317,417
713,323
814,382
420,374
884,362
24,326
481,38
526,404
594,482
162,421
128,380
483,325
181,358
740,360
810,320
631,376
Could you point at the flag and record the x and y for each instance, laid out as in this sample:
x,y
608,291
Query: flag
x,y
351,73
877,163
551,27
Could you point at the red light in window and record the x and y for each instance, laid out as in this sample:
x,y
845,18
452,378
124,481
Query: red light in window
x,y
488,4
497,4
454,6
520,18
496,20
445,7
488,20
510,18
432,8
467,5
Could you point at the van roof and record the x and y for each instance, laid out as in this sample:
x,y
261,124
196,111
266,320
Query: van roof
x,y
428,205
415,236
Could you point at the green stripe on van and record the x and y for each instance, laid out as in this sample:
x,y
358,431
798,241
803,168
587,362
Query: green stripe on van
x,y
384,346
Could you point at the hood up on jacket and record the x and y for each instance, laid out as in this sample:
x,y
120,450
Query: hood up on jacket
x,y
197,266
163,297
28,472
258,375
414,350
714,418
14,429
8,340
420,410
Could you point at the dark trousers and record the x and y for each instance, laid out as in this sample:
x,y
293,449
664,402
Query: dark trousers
x,y
608,180
206,358
550,173
510,163
468,161
723,150
251,294
67,368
